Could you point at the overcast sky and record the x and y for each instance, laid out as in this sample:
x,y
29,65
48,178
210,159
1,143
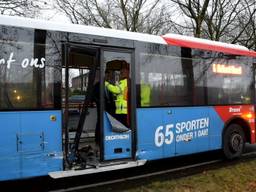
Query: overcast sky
x,y
54,15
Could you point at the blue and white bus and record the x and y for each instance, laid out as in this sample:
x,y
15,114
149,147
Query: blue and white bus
x,y
185,96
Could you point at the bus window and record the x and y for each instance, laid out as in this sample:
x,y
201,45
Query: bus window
x,y
229,82
28,55
117,77
163,81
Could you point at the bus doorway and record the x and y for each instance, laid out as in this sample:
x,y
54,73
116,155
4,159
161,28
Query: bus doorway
x,y
80,73
96,100
117,128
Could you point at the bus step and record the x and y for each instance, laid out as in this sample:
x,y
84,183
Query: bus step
x,y
105,168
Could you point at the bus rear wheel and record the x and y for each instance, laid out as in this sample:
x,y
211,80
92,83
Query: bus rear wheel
x,y
233,141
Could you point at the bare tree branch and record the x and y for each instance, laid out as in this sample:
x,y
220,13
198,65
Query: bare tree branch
x,y
28,8
225,20
131,15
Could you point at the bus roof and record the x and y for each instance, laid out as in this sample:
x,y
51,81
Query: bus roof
x,y
75,28
171,39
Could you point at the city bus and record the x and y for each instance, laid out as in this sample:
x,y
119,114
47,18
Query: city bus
x,y
184,95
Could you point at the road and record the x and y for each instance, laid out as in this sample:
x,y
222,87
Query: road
x,y
124,177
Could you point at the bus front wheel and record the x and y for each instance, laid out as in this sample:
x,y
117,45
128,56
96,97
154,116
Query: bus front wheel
x,y
233,141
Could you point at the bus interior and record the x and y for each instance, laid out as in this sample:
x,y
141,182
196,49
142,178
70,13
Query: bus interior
x,y
88,109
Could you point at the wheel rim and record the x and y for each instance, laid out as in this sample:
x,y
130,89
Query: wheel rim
x,y
236,142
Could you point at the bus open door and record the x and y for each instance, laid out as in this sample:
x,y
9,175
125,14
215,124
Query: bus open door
x,y
117,129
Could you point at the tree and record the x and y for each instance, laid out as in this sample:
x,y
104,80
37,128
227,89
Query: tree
x,y
195,11
131,15
28,8
220,20
246,26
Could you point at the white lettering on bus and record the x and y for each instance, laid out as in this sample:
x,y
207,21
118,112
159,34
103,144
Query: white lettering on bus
x,y
2,61
234,110
181,131
10,61
42,63
33,62
25,63
116,137
192,125
184,137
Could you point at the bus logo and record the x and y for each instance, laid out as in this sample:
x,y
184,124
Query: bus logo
x,y
234,110
116,137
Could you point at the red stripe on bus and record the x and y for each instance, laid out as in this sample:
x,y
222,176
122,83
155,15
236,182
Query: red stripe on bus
x,y
203,46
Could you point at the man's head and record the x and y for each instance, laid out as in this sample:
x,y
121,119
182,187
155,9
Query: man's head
x,y
124,73
110,76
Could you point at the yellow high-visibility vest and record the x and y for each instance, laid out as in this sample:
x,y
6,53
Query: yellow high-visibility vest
x,y
121,92
145,93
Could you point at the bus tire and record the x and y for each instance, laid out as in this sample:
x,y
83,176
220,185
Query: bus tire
x,y
233,141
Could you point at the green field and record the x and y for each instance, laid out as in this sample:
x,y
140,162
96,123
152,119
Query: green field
x,y
235,177
225,176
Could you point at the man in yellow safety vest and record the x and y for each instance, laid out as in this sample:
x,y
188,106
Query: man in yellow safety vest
x,y
121,92
145,93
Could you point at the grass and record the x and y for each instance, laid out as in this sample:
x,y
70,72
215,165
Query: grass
x,y
232,178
